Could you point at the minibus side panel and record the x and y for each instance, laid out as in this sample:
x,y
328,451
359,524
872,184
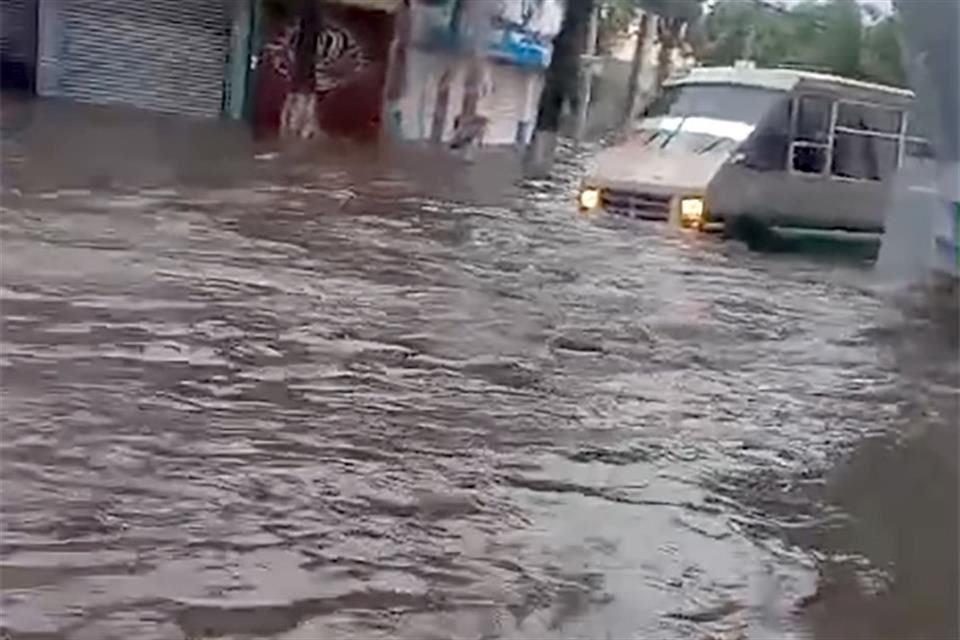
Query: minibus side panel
x,y
814,162
782,198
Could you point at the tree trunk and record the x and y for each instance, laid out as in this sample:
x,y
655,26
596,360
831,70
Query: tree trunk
x,y
633,83
670,29
561,76
560,86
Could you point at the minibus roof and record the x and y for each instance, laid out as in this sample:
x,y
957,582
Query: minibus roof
x,y
790,80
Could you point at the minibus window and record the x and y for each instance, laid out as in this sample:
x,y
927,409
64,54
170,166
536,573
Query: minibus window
x,y
919,156
809,159
866,117
863,157
914,126
866,141
768,147
813,119
810,149
919,149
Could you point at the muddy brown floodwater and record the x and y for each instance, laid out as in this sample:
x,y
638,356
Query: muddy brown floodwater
x,y
345,393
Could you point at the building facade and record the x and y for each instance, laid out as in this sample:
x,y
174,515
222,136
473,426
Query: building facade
x,y
18,44
162,55
472,63
433,69
202,58
339,89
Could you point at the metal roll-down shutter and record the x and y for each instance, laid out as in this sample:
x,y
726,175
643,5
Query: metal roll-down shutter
x,y
17,43
164,55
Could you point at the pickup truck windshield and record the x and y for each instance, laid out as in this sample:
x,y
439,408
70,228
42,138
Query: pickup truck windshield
x,y
722,102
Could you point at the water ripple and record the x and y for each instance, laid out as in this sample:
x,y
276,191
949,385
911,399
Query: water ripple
x,y
322,399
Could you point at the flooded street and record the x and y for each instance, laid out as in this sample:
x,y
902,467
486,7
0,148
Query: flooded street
x,y
343,393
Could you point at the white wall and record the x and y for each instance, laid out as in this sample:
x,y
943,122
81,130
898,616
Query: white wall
x,y
510,97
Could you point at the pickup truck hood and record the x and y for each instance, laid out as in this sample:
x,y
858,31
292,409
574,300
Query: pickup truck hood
x,y
659,158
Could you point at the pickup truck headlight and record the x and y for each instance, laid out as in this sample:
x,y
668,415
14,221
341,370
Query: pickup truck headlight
x,y
589,199
691,209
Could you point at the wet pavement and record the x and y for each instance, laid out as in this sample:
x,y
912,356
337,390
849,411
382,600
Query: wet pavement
x,y
355,393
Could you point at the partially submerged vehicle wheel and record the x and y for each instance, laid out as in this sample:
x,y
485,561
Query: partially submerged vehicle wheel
x,y
757,235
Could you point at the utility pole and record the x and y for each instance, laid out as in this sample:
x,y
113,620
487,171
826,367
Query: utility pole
x,y
560,86
748,43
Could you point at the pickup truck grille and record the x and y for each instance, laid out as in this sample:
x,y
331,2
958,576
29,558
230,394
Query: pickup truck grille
x,y
636,204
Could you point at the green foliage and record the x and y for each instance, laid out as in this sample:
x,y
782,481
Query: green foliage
x,y
684,11
615,19
616,16
882,55
835,36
